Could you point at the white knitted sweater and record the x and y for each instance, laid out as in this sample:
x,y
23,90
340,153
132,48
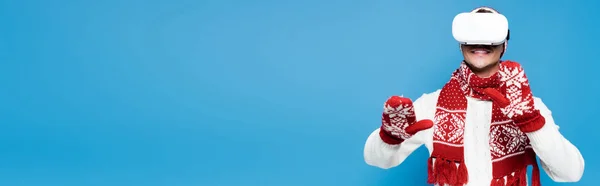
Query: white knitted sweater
x,y
560,159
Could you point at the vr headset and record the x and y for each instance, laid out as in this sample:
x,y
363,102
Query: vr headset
x,y
480,28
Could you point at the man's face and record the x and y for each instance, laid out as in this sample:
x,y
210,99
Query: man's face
x,y
482,56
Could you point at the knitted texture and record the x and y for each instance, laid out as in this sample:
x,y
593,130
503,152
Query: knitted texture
x,y
512,115
398,121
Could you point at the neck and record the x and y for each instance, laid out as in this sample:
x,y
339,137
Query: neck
x,y
487,71
474,80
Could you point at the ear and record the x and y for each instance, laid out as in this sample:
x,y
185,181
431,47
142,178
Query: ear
x,y
504,50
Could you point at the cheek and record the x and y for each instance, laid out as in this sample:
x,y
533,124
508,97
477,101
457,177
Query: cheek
x,y
498,52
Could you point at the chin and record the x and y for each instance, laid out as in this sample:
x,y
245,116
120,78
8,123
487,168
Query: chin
x,y
481,64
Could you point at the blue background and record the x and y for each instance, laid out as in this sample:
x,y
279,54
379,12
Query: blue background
x,y
280,93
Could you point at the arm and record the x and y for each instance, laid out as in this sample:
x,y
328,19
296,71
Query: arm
x,y
386,151
560,159
383,155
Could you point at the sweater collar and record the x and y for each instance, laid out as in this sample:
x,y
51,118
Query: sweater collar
x,y
473,85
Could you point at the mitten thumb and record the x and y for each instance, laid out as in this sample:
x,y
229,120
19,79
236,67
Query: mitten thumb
x,y
419,126
496,97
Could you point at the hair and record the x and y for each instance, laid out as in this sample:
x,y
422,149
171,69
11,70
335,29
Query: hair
x,y
485,9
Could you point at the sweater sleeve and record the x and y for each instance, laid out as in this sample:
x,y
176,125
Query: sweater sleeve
x,y
559,158
380,154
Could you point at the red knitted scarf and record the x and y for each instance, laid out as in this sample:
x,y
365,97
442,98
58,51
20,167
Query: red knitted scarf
x,y
509,147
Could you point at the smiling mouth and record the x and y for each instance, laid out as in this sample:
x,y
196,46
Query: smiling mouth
x,y
481,51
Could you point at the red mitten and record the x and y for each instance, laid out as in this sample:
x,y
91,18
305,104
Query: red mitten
x,y
398,121
517,103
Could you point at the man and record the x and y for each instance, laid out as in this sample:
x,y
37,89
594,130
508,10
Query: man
x,y
484,127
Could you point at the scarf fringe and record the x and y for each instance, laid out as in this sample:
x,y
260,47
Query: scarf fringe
x,y
535,176
463,174
430,173
519,178
444,171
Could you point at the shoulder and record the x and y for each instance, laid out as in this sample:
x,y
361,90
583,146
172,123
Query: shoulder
x,y
428,98
544,111
540,105
510,64
425,105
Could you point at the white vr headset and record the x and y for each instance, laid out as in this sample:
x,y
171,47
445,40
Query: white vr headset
x,y
480,28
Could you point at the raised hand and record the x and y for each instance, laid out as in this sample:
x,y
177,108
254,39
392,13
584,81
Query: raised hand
x,y
398,121
517,103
